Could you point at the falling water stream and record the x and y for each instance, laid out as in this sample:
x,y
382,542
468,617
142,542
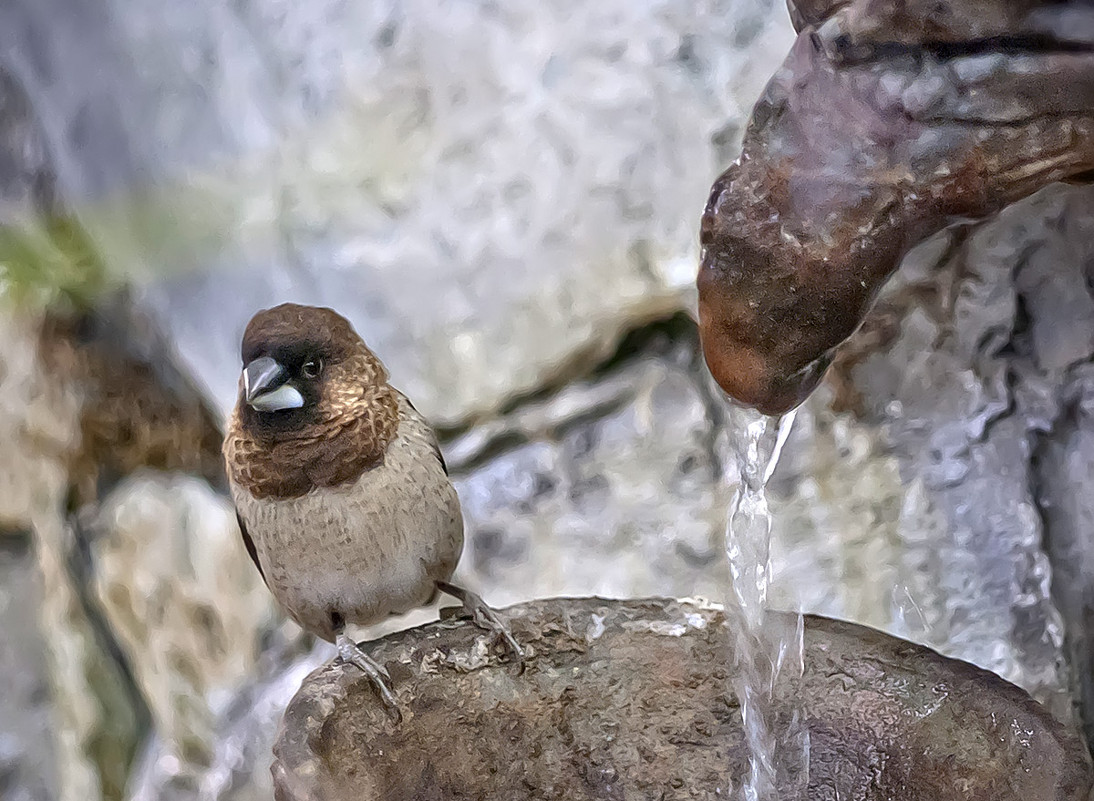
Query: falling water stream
x,y
763,646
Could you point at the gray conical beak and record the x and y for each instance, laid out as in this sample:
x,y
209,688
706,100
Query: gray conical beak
x,y
266,386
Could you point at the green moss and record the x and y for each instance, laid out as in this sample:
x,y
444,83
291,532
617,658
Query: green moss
x,y
50,263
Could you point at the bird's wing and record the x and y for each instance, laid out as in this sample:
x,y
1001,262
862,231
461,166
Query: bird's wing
x,y
433,438
250,547
440,456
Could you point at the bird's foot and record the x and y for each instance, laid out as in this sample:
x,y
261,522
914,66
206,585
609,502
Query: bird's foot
x,y
351,653
485,618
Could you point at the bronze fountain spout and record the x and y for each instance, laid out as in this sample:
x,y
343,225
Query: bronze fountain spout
x,y
888,121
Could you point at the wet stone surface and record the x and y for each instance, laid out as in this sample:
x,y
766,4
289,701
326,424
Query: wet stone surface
x,y
629,699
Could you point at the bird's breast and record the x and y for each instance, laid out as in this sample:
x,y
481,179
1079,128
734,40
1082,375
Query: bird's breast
x,y
364,549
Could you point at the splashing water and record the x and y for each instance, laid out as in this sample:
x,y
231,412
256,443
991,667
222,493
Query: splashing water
x,y
763,646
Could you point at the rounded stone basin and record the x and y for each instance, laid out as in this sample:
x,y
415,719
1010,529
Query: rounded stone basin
x,y
631,700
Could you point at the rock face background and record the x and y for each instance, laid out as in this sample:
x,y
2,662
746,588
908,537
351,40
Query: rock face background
x,y
504,201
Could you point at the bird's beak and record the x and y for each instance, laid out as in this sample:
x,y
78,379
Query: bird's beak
x,y
266,386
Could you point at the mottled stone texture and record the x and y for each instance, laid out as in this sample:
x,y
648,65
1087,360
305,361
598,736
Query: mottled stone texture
x,y
244,727
631,699
984,353
184,604
95,712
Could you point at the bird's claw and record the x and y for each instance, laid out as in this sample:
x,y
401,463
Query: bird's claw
x,y
486,618
352,654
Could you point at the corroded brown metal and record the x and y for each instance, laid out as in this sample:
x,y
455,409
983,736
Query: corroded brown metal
x,y
632,700
888,121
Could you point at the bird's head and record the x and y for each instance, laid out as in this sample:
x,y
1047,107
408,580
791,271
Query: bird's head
x,y
305,369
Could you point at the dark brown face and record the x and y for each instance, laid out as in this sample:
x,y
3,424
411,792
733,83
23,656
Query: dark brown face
x,y
291,354
315,408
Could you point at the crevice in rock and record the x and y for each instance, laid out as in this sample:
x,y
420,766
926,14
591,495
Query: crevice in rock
x,y
659,339
851,52
1046,479
650,339
1013,123
656,339
81,568
15,540
112,753
494,446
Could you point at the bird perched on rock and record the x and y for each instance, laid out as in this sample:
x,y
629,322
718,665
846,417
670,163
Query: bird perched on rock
x,y
342,494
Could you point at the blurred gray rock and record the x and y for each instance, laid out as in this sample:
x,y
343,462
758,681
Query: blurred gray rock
x,y
96,716
56,433
43,754
28,767
244,730
1049,250
607,487
491,193
26,176
183,600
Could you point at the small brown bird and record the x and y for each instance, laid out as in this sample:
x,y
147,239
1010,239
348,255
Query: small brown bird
x,y
342,494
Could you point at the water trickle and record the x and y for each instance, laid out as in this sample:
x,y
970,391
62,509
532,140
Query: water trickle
x,y
763,647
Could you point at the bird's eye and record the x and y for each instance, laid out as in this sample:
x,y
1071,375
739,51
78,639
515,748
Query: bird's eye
x,y
312,368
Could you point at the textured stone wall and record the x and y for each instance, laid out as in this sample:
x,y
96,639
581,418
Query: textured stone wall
x,y
488,192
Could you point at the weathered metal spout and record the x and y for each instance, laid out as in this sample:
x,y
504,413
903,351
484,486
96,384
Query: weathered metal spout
x,y
886,123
